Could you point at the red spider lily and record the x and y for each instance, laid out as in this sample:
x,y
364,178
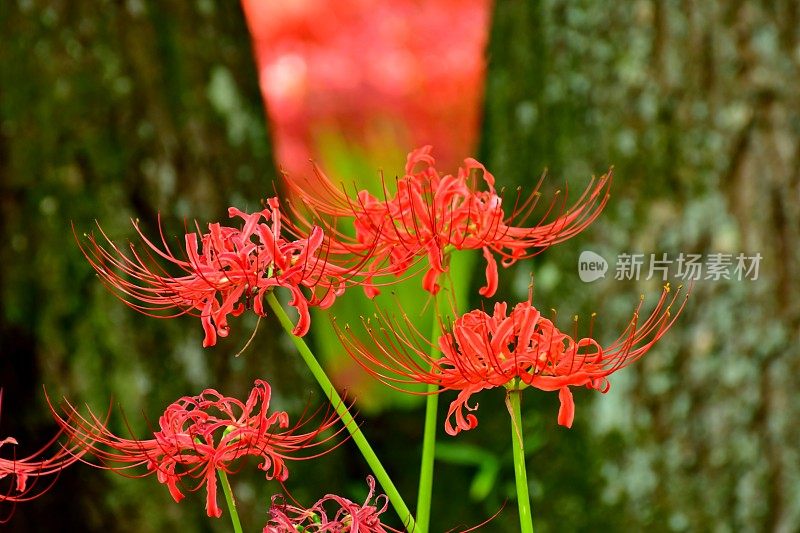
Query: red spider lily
x,y
350,517
431,214
513,350
199,435
23,473
226,271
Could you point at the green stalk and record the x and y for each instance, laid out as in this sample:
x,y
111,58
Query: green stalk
x,y
341,409
226,488
520,474
428,438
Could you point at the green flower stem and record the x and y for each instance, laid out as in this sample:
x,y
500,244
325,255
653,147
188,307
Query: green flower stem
x,y
523,499
226,488
341,409
428,439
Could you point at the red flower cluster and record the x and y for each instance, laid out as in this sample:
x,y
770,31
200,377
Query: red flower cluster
x,y
199,435
513,350
431,214
350,517
226,271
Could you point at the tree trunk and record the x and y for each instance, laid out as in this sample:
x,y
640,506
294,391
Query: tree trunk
x,y
697,105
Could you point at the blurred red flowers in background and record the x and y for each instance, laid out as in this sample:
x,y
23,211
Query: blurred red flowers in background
x,y
360,67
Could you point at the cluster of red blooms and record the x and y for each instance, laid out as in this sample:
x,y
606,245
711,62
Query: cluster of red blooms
x,y
201,435
350,516
309,75
228,270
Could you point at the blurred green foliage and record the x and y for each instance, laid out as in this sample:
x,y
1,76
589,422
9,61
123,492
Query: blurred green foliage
x,y
119,110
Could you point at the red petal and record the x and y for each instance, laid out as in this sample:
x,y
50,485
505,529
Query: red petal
x,y
566,413
212,509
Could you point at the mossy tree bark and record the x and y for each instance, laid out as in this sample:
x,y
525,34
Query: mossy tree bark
x,y
696,104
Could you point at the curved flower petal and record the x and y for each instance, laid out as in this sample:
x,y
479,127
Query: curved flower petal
x,y
456,409
491,275
566,413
